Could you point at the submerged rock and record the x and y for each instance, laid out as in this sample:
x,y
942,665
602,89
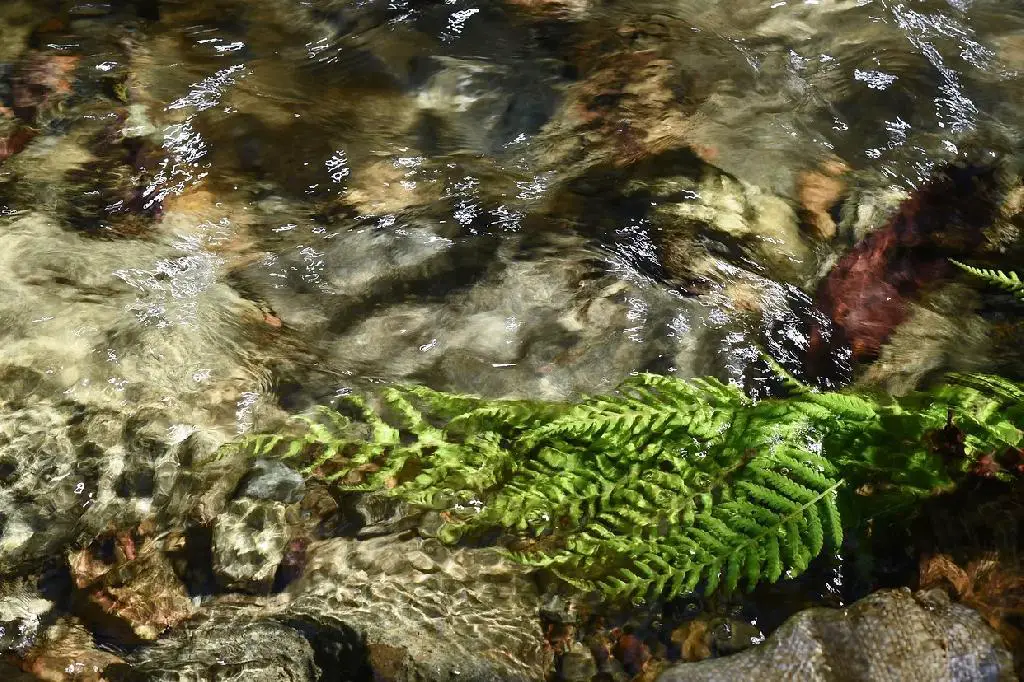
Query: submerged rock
x,y
418,610
868,292
249,540
226,644
134,592
40,81
271,479
733,215
889,635
54,465
66,651
22,610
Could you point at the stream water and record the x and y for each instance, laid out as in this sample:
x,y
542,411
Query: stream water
x,y
217,214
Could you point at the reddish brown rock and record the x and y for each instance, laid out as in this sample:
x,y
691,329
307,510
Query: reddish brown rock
x,y
14,141
40,80
991,584
631,651
126,585
867,292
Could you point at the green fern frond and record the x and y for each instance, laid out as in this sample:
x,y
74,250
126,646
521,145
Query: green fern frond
x,y
1009,281
665,485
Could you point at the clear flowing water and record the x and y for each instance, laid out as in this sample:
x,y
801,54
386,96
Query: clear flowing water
x,y
214,214
249,204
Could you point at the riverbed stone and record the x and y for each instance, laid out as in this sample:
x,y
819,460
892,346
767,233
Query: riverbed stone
x,y
418,610
127,587
66,651
22,610
271,479
889,635
249,541
224,643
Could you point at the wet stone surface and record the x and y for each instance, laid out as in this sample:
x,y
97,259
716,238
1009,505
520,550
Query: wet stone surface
x,y
890,634
420,610
227,644
249,540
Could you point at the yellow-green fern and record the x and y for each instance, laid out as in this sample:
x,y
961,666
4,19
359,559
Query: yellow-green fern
x,y
665,485
1009,281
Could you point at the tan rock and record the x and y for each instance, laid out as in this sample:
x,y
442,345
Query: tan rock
x,y
625,109
389,186
819,190
65,652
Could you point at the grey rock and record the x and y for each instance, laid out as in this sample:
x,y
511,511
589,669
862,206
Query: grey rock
x,y
270,479
421,611
249,539
557,609
383,514
225,644
889,635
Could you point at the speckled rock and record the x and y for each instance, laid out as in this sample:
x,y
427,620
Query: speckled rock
x,y
420,611
225,644
889,635
249,541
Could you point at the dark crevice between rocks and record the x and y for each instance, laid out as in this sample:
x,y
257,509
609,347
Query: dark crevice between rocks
x,y
192,561
340,652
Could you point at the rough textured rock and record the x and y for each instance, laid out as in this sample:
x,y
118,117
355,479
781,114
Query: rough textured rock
x,y
249,541
271,479
421,611
889,635
226,644
134,592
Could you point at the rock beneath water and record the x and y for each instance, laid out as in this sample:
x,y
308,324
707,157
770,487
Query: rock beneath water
x,y
732,213
69,473
127,587
577,664
272,480
249,541
889,635
66,651
226,644
420,611
868,292
21,612
944,333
